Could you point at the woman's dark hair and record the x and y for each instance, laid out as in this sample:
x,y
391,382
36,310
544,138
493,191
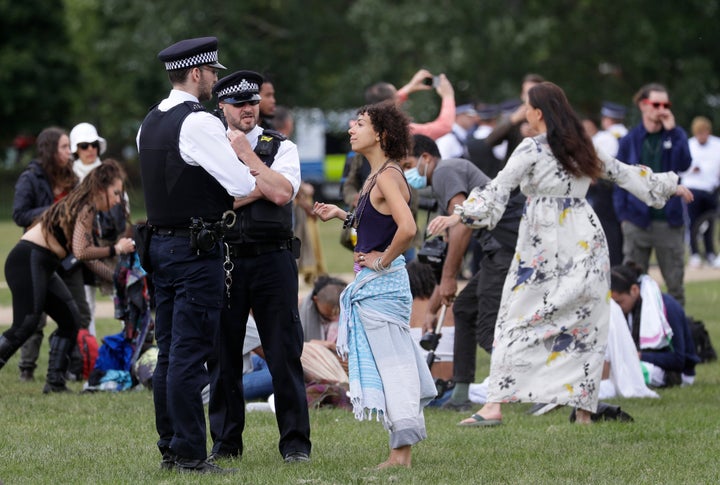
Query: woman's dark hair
x,y
48,142
422,279
324,281
566,136
624,276
65,212
392,125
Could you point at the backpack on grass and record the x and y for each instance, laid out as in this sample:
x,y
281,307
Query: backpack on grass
x,y
703,345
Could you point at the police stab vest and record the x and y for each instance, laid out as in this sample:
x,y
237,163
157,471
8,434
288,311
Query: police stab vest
x,y
262,220
174,191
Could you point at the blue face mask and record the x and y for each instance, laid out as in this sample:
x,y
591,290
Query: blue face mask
x,y
414,179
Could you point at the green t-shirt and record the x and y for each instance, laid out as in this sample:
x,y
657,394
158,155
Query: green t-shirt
x,y
652,157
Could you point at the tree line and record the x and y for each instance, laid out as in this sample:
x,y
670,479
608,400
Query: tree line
x,y
67,61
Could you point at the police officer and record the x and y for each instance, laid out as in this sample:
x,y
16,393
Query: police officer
x,y
264,280
190,174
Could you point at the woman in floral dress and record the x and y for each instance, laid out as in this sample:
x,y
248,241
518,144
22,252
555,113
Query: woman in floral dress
x,y
552,326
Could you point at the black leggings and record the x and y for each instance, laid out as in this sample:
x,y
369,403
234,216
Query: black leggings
x,y
36,288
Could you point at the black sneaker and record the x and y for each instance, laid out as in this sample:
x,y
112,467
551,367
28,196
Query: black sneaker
x,y
199,466
462,407
168,461
27,375
55,388
220,455
297,457
672,379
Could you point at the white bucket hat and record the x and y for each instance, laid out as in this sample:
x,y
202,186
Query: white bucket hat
x,y
86,133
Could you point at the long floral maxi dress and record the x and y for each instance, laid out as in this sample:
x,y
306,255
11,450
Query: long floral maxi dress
x,y
552,326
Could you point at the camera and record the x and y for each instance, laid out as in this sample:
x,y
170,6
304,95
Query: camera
x,y
433,81
429,341
433,252
202,236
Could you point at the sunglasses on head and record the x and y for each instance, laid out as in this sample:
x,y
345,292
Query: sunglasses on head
x,y
253,102
657,105
85,146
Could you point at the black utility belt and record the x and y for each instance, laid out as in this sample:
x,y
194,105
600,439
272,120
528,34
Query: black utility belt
x,y
171,231
245,250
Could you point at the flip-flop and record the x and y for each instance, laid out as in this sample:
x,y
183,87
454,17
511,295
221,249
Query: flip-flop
x,y
478,420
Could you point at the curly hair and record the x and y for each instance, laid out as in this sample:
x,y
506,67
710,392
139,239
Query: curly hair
x,y
392,125
65,212
566,136
48,142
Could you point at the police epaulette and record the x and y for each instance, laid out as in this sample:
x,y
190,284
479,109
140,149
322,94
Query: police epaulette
x,y
195,106
275,134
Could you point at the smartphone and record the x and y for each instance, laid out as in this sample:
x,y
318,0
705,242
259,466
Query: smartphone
x,y
433,81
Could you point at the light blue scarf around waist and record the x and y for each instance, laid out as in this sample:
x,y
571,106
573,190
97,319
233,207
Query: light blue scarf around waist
x,y
381,299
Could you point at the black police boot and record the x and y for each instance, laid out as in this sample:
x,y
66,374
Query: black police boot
x,y
6,350
58,364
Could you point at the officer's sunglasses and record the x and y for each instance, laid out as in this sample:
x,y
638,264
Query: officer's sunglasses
x,y
85,146
253,102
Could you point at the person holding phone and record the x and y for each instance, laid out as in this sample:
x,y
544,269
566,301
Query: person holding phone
x,y
658,143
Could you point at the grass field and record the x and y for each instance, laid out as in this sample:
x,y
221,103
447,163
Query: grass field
x,y
110,438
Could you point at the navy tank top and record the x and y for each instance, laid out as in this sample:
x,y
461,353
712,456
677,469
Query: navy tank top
x,y
375,231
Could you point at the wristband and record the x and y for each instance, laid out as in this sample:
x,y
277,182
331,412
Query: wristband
x,y
348,220
112,251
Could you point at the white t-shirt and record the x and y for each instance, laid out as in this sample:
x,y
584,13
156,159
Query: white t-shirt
x,y
704,171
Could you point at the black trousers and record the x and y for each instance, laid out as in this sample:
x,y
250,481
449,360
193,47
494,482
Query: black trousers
x,y
475,310
37,288
188,297
268,285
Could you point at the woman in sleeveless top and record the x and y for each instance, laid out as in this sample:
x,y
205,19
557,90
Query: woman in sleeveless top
x,y
552,326
30,269
388,375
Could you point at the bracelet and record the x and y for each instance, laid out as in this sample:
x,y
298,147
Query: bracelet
x,y
112,251
378,266
348,220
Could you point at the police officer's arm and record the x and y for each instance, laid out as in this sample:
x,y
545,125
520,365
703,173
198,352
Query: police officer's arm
x,y
203,142
272,185
458,241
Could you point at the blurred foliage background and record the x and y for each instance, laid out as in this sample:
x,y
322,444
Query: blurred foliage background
x,y
67,61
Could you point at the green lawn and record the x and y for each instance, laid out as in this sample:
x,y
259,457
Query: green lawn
x,y
110,438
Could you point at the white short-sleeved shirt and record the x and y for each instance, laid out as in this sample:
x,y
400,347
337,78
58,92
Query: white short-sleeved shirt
x,y
450,145
204,143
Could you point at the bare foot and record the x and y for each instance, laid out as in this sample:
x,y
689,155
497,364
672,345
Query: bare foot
x,y
391,464
582,416
398,457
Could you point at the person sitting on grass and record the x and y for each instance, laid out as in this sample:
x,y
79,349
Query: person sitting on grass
x,y
658,325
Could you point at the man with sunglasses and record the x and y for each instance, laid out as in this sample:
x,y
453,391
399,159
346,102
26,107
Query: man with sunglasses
x,y
264,280
656,142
